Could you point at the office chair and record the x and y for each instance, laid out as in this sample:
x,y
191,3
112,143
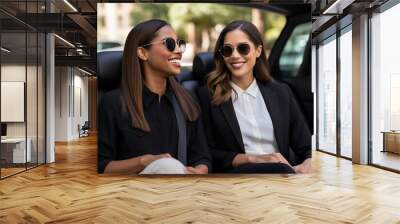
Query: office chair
x,y
84,130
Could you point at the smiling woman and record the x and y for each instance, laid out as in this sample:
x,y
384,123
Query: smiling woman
x,y
144,126
251,120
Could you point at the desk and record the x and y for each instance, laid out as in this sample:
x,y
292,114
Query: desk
x,y
13,150
391,141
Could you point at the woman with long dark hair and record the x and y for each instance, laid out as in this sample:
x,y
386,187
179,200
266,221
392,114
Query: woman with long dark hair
x,y
139,126
251,121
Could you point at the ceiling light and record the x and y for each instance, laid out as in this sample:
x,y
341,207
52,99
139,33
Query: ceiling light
x,y
70,5
79,51
337,7
86,72
5,50
64,40
328,10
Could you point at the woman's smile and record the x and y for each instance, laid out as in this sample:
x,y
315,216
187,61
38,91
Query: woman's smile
x,y
176,61
237,64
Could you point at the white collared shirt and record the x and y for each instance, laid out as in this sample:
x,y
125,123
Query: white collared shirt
x,y
254,120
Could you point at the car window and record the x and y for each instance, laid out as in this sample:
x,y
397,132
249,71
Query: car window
x,y
106,45
292,54
198,23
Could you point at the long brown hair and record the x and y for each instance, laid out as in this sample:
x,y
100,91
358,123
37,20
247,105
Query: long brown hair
x,y
132,79
218,81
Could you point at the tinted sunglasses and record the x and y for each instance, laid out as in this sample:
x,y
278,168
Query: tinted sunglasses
x,y
170,44
242,48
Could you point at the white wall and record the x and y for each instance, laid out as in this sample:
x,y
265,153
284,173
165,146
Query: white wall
x,y
17,73
14,73
12,100
71,87
62,81
33,126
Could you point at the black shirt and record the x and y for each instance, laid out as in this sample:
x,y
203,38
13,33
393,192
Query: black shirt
x,y
118,140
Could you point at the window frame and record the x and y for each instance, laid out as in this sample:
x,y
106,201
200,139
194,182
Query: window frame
x,y
328,37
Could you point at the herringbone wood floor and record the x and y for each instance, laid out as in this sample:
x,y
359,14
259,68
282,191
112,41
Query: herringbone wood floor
x,y
70,191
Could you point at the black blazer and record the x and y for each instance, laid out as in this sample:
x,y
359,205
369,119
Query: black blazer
x,y
224,135
118,140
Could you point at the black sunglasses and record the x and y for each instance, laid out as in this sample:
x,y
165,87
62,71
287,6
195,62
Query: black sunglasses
x,y
242,48
170,44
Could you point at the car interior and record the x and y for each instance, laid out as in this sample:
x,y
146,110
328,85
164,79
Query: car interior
x,y
299,79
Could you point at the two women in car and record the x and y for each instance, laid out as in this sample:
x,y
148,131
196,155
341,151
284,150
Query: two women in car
x,y
244,120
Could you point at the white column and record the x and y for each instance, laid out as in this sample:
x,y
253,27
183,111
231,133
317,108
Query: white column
x,y
62,103
50,92
50,99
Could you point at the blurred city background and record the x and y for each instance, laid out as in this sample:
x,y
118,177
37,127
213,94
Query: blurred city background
x,y
199,24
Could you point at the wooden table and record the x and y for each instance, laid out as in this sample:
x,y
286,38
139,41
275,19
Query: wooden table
x,y
391,141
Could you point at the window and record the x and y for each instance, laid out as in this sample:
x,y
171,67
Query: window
x,y
292,54
346,94
385,88
327,96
